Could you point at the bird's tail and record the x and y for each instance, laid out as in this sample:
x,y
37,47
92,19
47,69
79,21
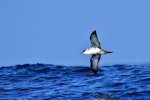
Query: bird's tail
x,y
105,52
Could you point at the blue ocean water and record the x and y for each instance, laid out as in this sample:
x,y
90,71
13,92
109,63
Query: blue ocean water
x,y
55,82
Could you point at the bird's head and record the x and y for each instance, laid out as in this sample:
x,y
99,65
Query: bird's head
x,y
85,51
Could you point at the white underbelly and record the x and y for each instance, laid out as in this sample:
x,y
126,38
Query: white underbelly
x,y
94,51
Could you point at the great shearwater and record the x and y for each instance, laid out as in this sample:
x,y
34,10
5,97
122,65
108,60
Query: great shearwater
x,y
95,50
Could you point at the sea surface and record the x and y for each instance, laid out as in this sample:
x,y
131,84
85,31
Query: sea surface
x,y
56,82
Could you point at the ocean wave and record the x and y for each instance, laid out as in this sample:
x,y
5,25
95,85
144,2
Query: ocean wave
x,y
56,82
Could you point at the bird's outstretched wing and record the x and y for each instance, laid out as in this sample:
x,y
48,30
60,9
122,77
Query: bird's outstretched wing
x,y
94,62
94,40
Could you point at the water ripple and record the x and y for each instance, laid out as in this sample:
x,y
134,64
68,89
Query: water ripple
x,y
56,82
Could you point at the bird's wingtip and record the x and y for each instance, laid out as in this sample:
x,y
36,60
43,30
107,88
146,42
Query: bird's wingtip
x,y
94,31
95,71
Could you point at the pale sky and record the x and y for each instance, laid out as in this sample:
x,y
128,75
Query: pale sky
x,y
57,31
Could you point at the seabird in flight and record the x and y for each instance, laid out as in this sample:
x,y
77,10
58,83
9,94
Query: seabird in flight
x,y
95,50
